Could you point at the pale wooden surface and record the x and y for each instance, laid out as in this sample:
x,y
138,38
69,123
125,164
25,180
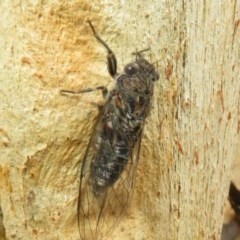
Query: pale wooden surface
x,y
190,136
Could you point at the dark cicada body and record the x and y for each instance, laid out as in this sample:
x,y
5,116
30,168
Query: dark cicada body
x,y
109,165
234,198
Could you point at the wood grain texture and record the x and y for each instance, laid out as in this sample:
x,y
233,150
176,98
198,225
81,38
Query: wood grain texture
x,y
190,136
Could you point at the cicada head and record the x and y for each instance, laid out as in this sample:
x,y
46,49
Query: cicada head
x,y
138,76
143,68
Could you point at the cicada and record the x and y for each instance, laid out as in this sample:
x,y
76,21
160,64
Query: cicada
x,y
110,162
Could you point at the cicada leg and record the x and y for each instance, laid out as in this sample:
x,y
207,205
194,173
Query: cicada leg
x,y
111,58
86,90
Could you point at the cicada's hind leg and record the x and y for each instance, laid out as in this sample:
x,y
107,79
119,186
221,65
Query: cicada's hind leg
x,y
111,59
86,90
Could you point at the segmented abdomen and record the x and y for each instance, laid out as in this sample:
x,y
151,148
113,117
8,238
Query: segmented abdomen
x,y
114,149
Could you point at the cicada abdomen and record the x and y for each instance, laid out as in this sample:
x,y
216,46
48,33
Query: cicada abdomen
x,y
234,198
110,162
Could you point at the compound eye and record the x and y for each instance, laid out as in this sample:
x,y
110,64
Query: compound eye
x,y
131,68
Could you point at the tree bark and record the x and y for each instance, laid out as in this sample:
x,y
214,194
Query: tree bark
x,y
190,137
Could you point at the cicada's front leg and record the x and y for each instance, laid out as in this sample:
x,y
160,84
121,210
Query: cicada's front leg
x,y
111,64
111,58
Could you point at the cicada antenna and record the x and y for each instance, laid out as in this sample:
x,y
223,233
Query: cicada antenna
x,y
139,53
